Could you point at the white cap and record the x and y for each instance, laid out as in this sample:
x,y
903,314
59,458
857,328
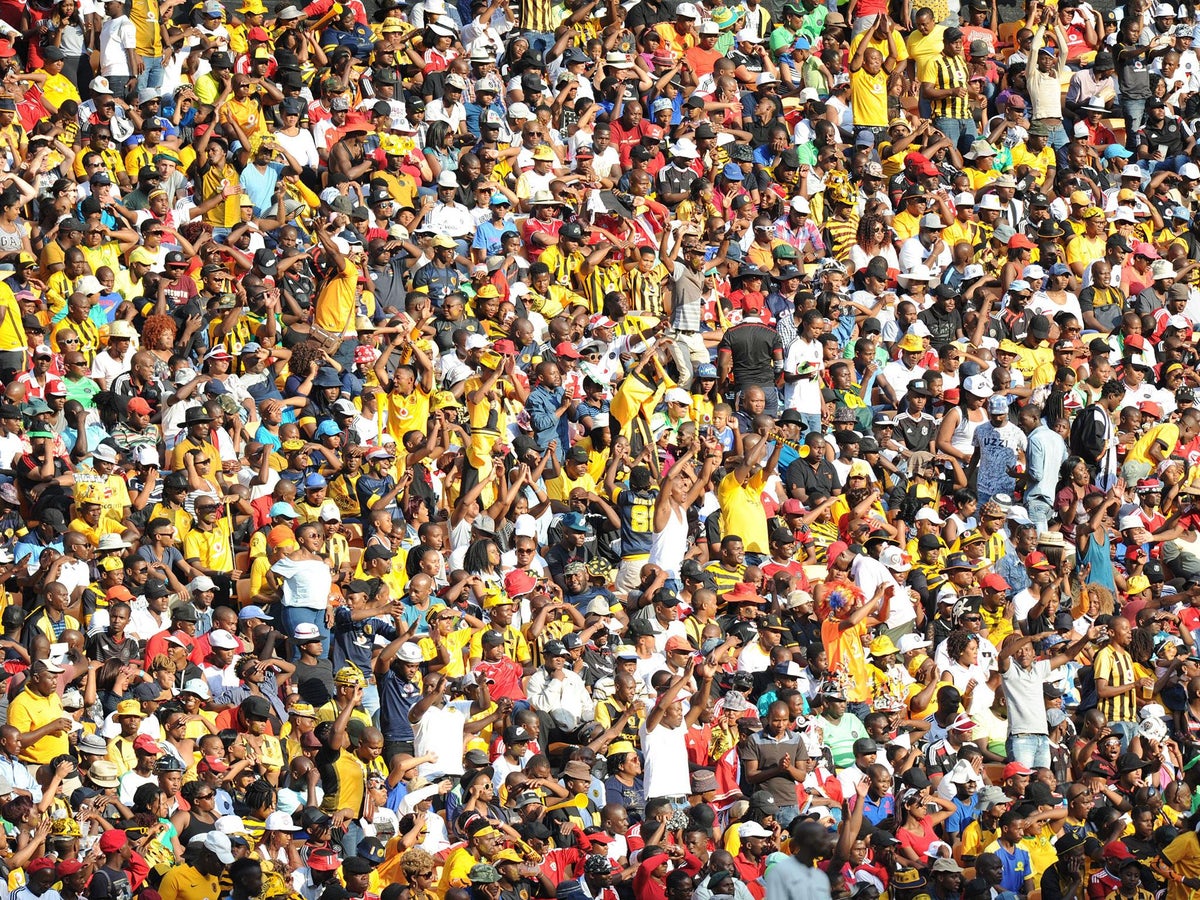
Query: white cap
x,y
978,385
920,329
678,395
1081,130
230,825
809,94
929,514
766,78
709,28
146,456
447,179
1132,171
1162,268
932,220
100,85
197,686
1189,170
686,11
519,111
1123,214
1164,9
525,526
988,201
919,272
280,821
409,653
220,846
966,198
1032,272
1133,520
220,639
801,205
910,642
475,342
895,559
684,149
89,284
749,36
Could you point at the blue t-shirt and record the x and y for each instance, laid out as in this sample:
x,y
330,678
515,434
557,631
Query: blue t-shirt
x,y
1017,867
965,812
261,186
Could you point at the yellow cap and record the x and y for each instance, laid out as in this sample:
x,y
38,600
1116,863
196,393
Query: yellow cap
x,y
882,646
130,708
910,343
1135,584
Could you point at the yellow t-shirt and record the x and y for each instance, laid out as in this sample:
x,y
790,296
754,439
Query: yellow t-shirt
x,y
1166,433
29,712
868,98
922,48
1085,250
456,642
742,511
213,549
515,645
1183,854
560,488
58,89
1039,163
144,15
406,412
335,304
186,883
213,180
12,332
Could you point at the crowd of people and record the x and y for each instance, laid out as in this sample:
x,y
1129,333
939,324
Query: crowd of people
x,y
599,451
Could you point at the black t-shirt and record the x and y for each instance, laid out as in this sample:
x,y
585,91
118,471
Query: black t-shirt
x,y
315,681
753,346
109,884
823,477
1168,133
917,434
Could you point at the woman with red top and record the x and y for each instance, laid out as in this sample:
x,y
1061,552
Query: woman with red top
x,y
916,831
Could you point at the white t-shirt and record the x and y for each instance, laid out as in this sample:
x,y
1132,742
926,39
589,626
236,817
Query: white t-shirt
x,y
804,395
666,772
117,36
440,731
306,582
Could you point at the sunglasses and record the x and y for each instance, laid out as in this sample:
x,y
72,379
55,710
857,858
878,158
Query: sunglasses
x,y
69,341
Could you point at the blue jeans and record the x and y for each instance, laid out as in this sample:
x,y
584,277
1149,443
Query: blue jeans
x,y
1039,512
1170,164
370,701
298,615
785,815
152,73
1032,750
1058,137
812,422
1134,112
960,132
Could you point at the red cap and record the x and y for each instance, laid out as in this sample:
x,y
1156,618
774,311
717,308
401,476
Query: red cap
x,y
993,582
139,406
752,304
793,507
518,582
1116,850
1150,408
56,389
653,131
1149,484
675,642
69,867
6,50
37,865
119,592
212,764
146,744
1019,242
112,841
566,350
1136,341
921,163
1141,248
836,549
258,33
1037,560
1016,768
505,347
323,860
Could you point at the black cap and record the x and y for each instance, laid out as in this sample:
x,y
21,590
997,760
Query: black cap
x,y
254,707
266,261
